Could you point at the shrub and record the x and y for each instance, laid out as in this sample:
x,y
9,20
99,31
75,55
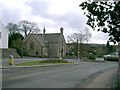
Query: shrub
x,y
111,59
54,61
42,62
92,57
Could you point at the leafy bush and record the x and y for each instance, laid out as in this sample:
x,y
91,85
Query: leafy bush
x,y
54,61
91,57
111,58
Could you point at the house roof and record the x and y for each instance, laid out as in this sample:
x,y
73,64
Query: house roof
x,y
39,38
54,37
47,38
44,39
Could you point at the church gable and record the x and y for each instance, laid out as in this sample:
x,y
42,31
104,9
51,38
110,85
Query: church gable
x,y
32,46
45,44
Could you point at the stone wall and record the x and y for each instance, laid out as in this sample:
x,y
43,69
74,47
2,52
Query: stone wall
x,y
53,50
6,52
45,52
35,50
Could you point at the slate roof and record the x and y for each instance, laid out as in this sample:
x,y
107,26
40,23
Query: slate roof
x,y
39,38
45,39
52,37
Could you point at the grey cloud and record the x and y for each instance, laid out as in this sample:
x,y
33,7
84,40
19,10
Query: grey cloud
x,y
76,21
39,8
71,19
9,15
100,36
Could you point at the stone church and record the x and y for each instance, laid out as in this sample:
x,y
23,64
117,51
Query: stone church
x,y
51,45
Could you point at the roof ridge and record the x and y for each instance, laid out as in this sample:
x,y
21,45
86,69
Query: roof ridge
x,y
53,33
47,34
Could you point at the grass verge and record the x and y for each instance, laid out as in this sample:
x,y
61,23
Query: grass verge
x,y
36,62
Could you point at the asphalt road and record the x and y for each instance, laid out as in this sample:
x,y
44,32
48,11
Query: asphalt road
x,y
65,76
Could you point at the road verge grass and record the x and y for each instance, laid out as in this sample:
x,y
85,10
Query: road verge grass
x,y
37,62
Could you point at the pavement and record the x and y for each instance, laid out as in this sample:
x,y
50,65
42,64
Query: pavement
x,y
107,79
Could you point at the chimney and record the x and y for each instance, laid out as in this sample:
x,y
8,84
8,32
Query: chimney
x,y
61,30
44,31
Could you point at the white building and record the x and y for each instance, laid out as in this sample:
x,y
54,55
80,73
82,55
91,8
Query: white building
x,y
3,36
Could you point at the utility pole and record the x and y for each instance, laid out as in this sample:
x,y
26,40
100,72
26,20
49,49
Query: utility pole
x,y
119,64
78,49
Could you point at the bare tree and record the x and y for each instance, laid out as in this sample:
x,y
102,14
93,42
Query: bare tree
x,y
87,34
73,38
27,27
13,28
77,39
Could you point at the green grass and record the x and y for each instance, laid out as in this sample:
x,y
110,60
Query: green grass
x,y
42,62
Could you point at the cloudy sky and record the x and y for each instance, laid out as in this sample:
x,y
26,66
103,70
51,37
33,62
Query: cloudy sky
x,y
52,14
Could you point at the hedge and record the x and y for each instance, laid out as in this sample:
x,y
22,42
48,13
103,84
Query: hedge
x,y
91,57
111,59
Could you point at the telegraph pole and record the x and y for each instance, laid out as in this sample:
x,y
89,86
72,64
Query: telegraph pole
x,y
119,64
78,49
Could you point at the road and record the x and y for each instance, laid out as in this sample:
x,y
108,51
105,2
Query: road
x,y
64,76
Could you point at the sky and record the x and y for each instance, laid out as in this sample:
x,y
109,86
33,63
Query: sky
x,y
51,14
